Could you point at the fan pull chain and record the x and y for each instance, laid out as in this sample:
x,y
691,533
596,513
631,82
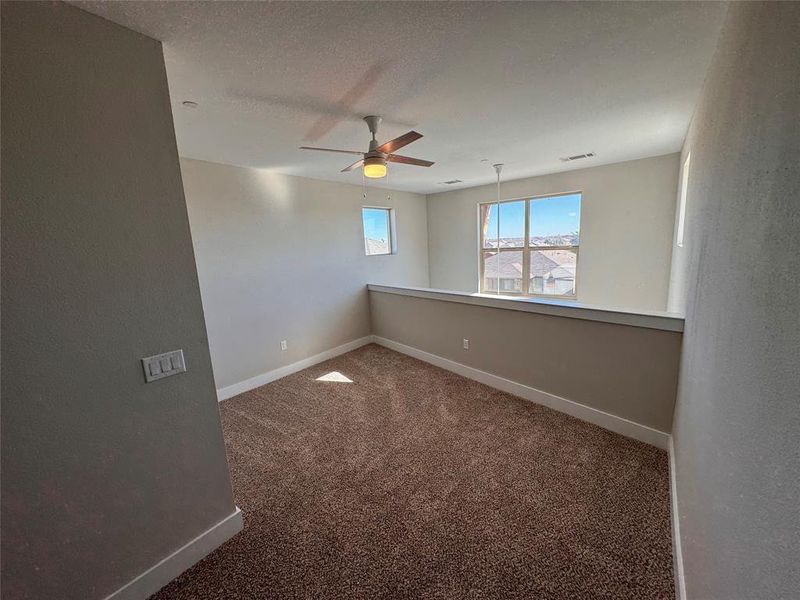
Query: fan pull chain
x,y
364,184
388,191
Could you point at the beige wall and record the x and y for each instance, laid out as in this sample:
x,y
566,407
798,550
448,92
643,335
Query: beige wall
x,y
103,475
627,217
737,418
630,372
282,257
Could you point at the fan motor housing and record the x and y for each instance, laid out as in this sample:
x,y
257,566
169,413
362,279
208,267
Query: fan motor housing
x,y
374,158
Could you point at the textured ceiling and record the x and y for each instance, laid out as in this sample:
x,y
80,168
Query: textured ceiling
x,y
519,83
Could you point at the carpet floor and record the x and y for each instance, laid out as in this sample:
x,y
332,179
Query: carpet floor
x,y
375,475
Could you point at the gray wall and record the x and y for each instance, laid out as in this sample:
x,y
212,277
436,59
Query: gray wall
x,y
631,372
737,419
627,216
282,257
102,474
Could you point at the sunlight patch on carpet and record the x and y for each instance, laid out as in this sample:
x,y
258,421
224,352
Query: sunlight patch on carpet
x,y
335,376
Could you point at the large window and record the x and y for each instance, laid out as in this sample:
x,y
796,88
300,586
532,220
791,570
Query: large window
x,y
378,227
529,247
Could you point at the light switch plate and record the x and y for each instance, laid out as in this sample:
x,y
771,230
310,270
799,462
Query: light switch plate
x,y
163,365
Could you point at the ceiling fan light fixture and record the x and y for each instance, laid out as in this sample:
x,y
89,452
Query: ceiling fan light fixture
x,y
374,167
377,157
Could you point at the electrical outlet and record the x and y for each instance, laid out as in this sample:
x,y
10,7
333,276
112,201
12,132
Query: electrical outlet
x,y
284,345
466,344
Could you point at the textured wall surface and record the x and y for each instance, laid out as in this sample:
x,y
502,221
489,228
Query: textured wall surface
x,y
282,257
737,420
102,474
627,216
631,372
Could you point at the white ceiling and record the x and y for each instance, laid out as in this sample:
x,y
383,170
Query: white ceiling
x,y
519,83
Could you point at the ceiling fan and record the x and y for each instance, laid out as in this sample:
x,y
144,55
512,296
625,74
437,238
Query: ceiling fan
x,y
375,159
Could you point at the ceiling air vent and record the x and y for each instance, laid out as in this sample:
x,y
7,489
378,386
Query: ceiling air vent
x,y
451,182
577,157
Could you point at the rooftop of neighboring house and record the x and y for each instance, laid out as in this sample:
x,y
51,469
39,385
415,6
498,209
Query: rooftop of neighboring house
x,y
556,263
377,246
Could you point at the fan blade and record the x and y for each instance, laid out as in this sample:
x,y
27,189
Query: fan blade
x,y
397,143
407,160
355,165
330,150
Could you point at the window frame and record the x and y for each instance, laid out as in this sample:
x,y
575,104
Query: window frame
x,y
527,248
682,198
391,230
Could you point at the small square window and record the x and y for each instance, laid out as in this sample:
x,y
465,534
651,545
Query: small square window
x,y
377,230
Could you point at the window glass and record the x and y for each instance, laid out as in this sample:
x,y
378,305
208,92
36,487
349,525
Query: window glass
x,y
555,221
552,272
512,224
488,233
503,270
377,230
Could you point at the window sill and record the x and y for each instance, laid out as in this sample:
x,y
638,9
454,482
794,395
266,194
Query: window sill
x,y
515,296
558,308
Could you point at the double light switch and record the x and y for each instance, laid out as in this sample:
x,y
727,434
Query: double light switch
x,y
163,365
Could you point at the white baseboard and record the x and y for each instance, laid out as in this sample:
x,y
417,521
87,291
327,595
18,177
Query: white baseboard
x,y
575,409
160,574
677,553
263,379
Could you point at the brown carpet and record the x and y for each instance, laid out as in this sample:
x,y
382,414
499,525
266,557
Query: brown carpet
x,y
414,482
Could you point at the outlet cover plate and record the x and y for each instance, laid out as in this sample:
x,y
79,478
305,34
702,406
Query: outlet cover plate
x,y
163,365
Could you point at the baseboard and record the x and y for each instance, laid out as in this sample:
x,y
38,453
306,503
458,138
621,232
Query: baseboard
x,y
263,379
160,574
581,411
677,553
